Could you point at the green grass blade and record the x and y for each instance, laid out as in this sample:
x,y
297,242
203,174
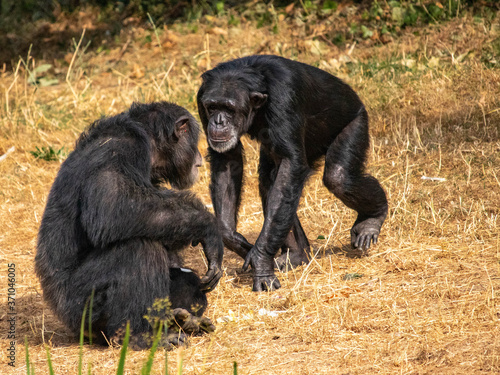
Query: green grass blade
x,y
181,362
166,360
157,36
123,351
49,361
27,356
90,316
235,368
146,369
82,327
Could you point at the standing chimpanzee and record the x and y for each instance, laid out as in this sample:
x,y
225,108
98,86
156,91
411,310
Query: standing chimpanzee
x,y
109,227
299,114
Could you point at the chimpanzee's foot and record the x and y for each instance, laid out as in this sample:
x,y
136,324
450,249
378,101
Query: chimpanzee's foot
x,y
291,259
173,340
364,232
169,340
295,250
182,326
190,324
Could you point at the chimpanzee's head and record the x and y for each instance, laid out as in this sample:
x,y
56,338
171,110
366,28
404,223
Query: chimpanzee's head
x,y
227,103
175,156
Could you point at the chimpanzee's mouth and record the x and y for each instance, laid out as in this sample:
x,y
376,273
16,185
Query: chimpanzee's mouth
x,y
220,140
223,144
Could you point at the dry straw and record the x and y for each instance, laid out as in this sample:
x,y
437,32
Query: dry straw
x,y
427,299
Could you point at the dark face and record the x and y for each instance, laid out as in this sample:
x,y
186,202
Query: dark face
x,y
177,160
227,114
189,179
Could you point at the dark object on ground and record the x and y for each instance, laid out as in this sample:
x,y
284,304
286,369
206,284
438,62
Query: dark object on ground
x,y
109,227
299,114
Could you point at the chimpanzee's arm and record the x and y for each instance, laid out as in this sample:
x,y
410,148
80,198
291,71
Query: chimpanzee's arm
x,y
227,176
115,208
282,203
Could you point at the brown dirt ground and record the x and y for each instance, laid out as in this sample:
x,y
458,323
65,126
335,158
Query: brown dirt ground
x,y
428,300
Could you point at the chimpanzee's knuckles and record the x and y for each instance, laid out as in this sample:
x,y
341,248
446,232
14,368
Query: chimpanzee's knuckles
x,y
266,283
249,260
257,287
211,279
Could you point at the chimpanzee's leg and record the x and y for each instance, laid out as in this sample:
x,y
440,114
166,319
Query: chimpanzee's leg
x,y
294,250
127,279
344,176
188,302
185,291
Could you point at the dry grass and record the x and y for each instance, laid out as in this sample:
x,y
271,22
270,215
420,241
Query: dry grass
x,y
428,300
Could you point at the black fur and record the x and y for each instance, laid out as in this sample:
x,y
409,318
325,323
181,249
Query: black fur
x,y
110,227
299,114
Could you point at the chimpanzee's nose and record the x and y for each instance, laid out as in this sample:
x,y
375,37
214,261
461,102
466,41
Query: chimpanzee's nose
x,y
218,119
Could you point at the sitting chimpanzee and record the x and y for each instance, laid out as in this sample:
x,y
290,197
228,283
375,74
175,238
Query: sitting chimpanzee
x,y
299,114
109,227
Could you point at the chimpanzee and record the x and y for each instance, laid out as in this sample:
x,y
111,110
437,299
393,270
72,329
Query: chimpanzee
x,y
299,114
109,227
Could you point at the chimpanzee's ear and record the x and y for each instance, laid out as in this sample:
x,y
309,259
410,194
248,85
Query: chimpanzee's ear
x,y
181,127
257,99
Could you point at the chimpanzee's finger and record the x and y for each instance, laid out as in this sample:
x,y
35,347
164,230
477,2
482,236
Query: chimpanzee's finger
x,y
264,283
211,279
368,241
357,242
248,260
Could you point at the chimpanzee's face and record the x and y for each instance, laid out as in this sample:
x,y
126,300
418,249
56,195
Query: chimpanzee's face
x,y
192,177
177,160
228,110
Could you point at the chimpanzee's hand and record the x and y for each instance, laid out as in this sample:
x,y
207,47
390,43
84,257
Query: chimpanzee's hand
x,y
211,278
263,283
262,264
214,251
